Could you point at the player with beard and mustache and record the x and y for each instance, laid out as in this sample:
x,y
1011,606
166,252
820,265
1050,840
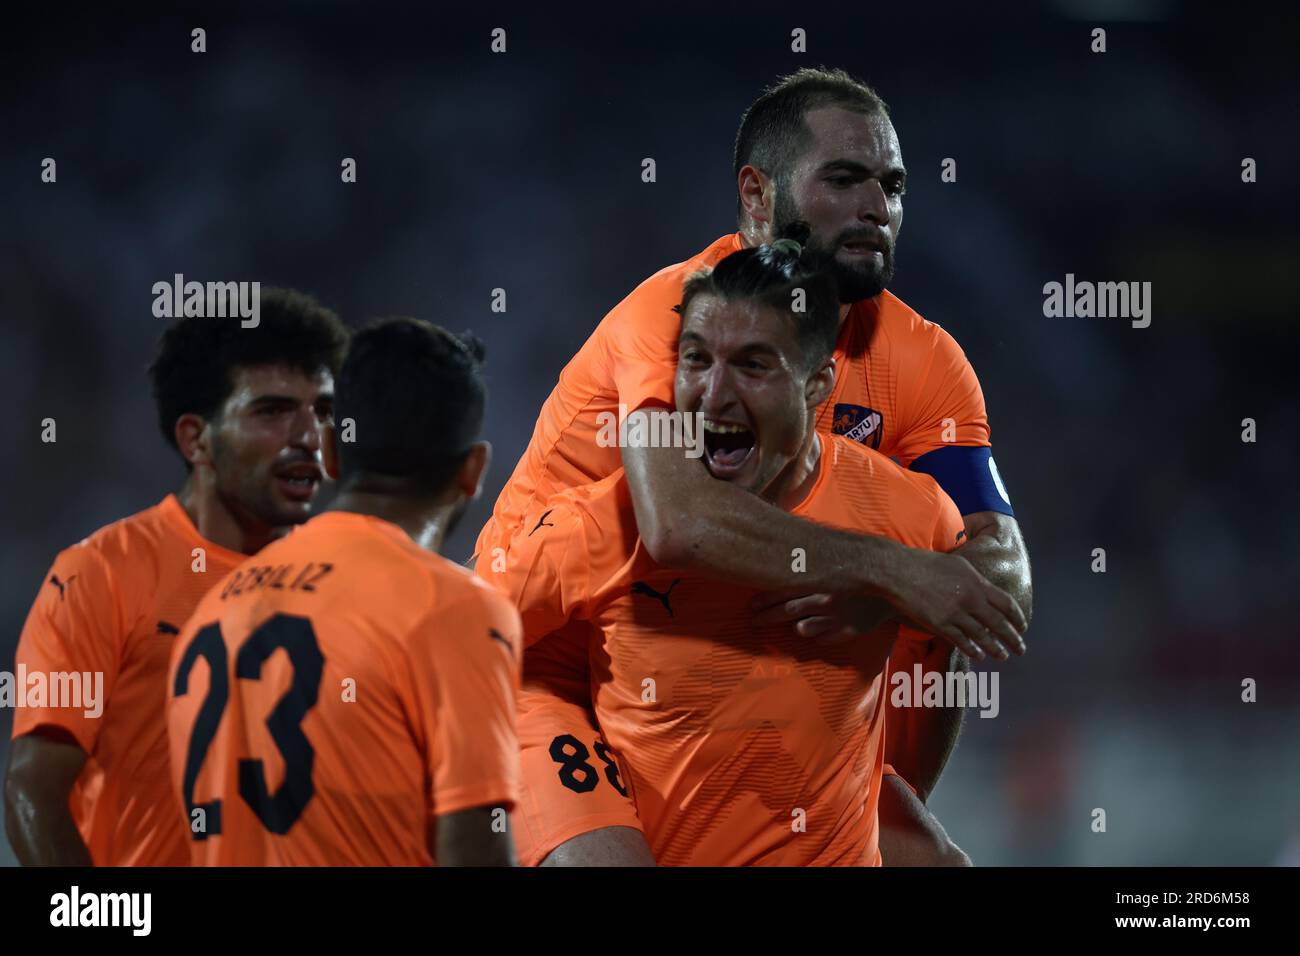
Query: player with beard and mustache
x,y
752,745
249,411
389,673
861,258
817,148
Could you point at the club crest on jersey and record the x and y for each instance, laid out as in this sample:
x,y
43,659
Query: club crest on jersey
x,y
863,425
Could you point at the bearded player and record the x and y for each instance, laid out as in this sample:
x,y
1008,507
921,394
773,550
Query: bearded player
x,y
741,744
819,147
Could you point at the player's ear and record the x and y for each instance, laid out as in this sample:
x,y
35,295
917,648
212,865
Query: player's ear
x,y
194,439
470,478
820,384
757,194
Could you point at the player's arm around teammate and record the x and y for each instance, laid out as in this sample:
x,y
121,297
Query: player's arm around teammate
x,y
691,522
541,584
838,171
817,150
838,168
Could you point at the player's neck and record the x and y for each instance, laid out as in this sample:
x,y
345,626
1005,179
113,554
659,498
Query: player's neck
x,y
793,485
425,522
217,522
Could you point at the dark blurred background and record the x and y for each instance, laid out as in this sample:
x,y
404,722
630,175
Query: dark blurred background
x,y
522,171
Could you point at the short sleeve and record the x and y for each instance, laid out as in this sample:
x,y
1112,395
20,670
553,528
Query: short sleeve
x,y
947,533
946,406
546,570
465,671
949,529
76,625
640,336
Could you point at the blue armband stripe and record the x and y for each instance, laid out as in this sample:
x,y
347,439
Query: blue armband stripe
x,y
969,476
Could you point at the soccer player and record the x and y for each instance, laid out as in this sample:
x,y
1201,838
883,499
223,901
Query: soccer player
x,y
247,409
346,697
818,147
742,744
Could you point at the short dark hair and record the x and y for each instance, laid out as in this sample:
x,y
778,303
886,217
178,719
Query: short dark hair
x,y
416,395
770,274
773,133
193,365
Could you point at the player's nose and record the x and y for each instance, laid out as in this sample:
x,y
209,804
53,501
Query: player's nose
x,y
875,204
717,392
307,430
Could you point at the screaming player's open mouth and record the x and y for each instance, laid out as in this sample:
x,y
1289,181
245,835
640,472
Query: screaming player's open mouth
x,y
727,447
299,481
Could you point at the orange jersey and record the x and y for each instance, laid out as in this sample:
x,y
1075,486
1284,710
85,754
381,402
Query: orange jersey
x,y
903,387
742,744
335,695
112,606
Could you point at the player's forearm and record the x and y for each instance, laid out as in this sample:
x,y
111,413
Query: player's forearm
x,y
608,846
473,837
41,829
919,740
723,531
909,833
997,551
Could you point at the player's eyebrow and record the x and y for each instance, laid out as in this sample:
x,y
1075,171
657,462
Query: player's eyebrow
x,y
749,348
694,338
287,401
764,348
861,170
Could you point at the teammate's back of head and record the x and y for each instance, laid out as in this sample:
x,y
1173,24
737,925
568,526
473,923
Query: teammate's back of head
x,y
786,275
409,407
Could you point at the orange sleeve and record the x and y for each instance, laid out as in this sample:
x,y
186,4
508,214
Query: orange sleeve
x,y
943,538
889,771
75,624
947,404
640,336
547,571
948,524
466,675
572,782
